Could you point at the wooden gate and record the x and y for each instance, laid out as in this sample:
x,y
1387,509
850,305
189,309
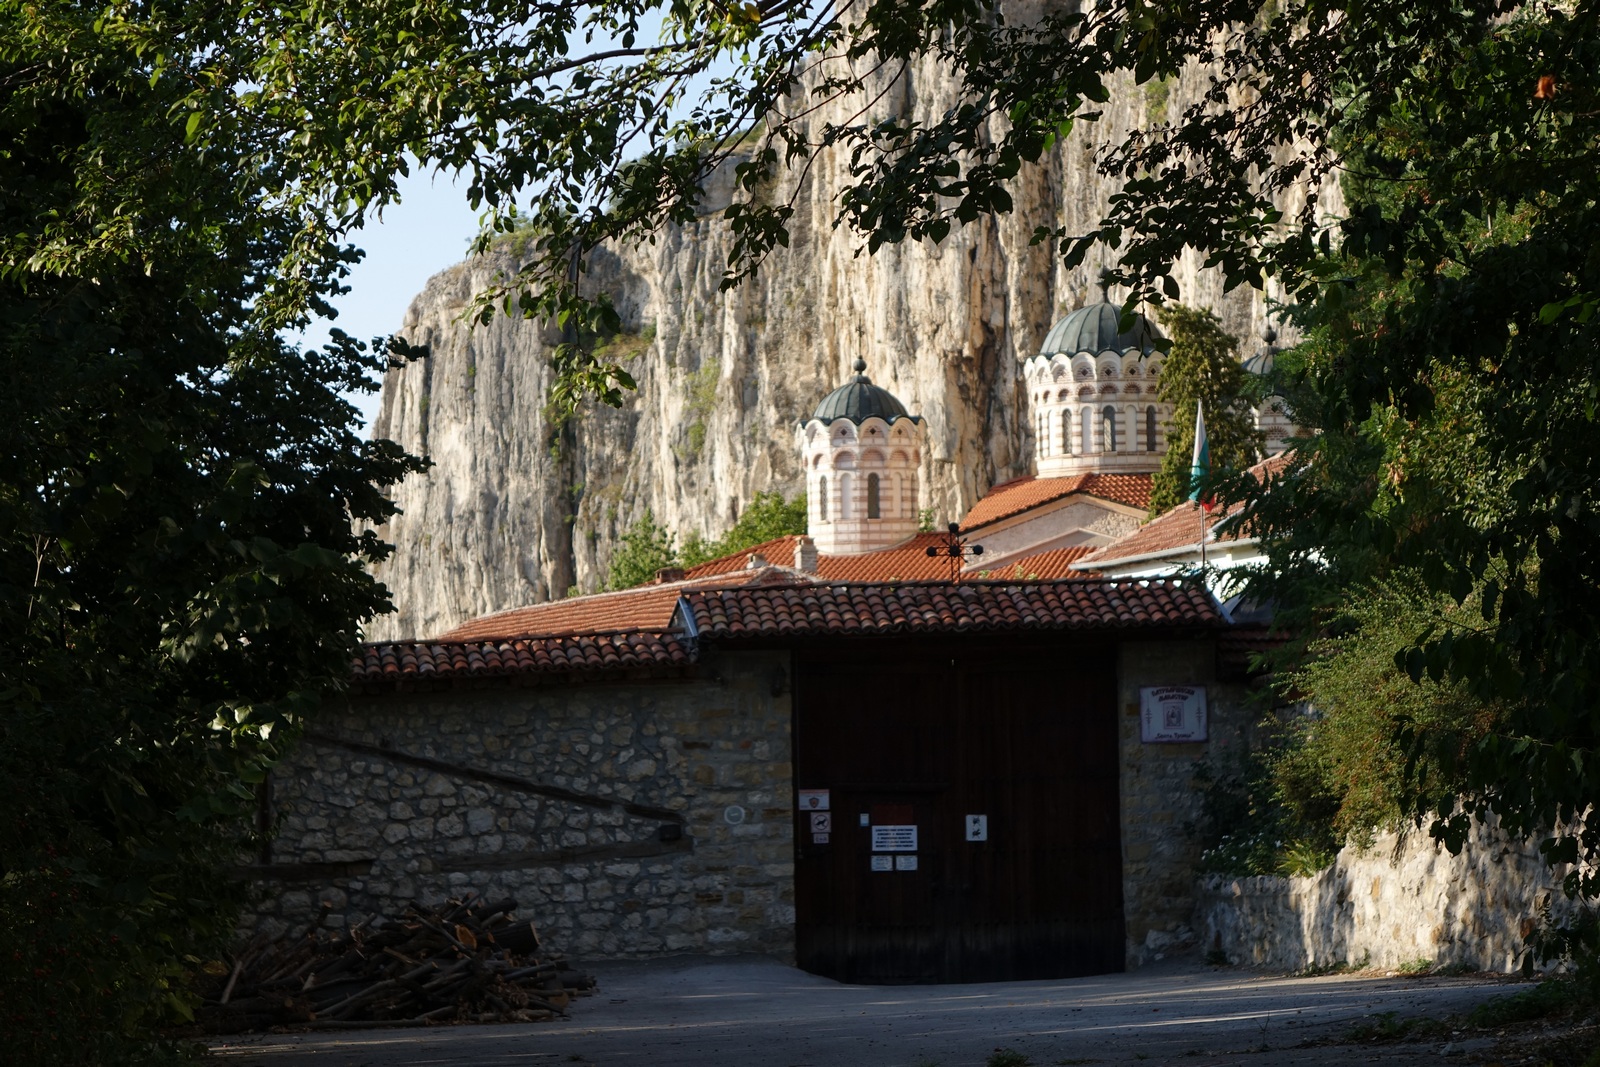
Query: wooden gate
x,y
904,741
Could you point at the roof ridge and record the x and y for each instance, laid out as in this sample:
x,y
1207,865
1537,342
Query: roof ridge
x,y
641,631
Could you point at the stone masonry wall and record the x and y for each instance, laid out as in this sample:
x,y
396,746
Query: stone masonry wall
x,y
561,800
1160,800
1402,901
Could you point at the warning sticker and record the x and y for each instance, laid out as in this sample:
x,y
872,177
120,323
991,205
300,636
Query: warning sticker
x,y
894,839
905,863
814,800
819,839
883,863
821,822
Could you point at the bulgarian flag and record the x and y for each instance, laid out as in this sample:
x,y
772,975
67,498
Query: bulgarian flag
x,y
1201,464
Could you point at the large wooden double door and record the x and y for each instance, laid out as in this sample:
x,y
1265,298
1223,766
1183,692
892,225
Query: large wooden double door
x,y
957,811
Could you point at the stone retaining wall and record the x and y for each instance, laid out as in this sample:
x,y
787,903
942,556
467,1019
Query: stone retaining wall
x,y
1401,902
627,818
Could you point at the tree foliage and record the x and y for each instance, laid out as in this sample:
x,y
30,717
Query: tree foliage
x,y
646,548
766,517
1346,750
589,115
180,578
1453,372
1202,368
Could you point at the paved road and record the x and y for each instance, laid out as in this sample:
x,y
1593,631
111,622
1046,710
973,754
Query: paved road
x,y
720,1012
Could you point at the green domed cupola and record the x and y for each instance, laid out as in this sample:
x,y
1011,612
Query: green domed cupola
x,y
1093,329
858,400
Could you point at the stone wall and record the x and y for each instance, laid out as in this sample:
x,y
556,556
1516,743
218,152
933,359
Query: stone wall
x,y
559,795
1403,901
569,797
1160,800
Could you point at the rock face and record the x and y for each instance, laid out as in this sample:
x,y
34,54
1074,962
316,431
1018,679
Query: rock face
x,y
519,509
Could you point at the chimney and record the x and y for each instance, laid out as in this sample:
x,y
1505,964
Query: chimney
x,y
669,574
805,556
756,561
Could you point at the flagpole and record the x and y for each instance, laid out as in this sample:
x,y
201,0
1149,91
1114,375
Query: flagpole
x,y
1198,467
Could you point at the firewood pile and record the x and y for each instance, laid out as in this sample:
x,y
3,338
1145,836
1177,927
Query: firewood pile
x,y
462,961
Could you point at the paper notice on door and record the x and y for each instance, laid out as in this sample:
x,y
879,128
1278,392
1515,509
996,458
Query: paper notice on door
x,y
905,863
883,863
894,839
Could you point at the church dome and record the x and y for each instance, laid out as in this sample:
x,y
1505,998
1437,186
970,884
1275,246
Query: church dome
x,y
1093,329
1265,358
859,400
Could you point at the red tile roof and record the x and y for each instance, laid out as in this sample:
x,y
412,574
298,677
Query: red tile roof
x,y
905,562
406,663
779,552
1180,527
1171,531
646,607
1023,494
1056,563
933,607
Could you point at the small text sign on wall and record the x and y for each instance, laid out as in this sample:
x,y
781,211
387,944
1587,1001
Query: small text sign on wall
x,y
894,839
1172,714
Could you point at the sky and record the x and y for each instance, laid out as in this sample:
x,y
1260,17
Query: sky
x,y
427,231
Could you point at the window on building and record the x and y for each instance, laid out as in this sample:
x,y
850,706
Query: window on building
x,y
1150,428
874,505
822,499
847,509
1108,429
1066,432
1085,424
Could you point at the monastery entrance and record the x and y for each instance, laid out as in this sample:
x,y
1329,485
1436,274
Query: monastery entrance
x,y
957,810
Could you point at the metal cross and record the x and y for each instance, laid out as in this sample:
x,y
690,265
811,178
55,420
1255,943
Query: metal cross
x,y
956,548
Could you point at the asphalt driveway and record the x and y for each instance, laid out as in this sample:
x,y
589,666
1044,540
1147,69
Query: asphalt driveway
x,y
732,1012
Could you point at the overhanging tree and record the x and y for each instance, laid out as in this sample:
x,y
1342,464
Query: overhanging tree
x,y
1452,371
182,563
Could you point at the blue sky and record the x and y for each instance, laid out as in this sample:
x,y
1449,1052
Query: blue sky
x,y
427,231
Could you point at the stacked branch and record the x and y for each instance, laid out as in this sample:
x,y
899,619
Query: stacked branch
x,y
465,960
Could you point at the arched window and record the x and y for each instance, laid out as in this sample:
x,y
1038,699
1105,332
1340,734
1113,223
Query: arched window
x,y
847,509
1086,425
1066,432
822,498
874,507
1108,429
1150,428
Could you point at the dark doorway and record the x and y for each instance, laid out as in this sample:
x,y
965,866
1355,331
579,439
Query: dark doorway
x,y
911,738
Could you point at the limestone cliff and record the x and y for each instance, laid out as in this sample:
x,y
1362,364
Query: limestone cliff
x,y
518,509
